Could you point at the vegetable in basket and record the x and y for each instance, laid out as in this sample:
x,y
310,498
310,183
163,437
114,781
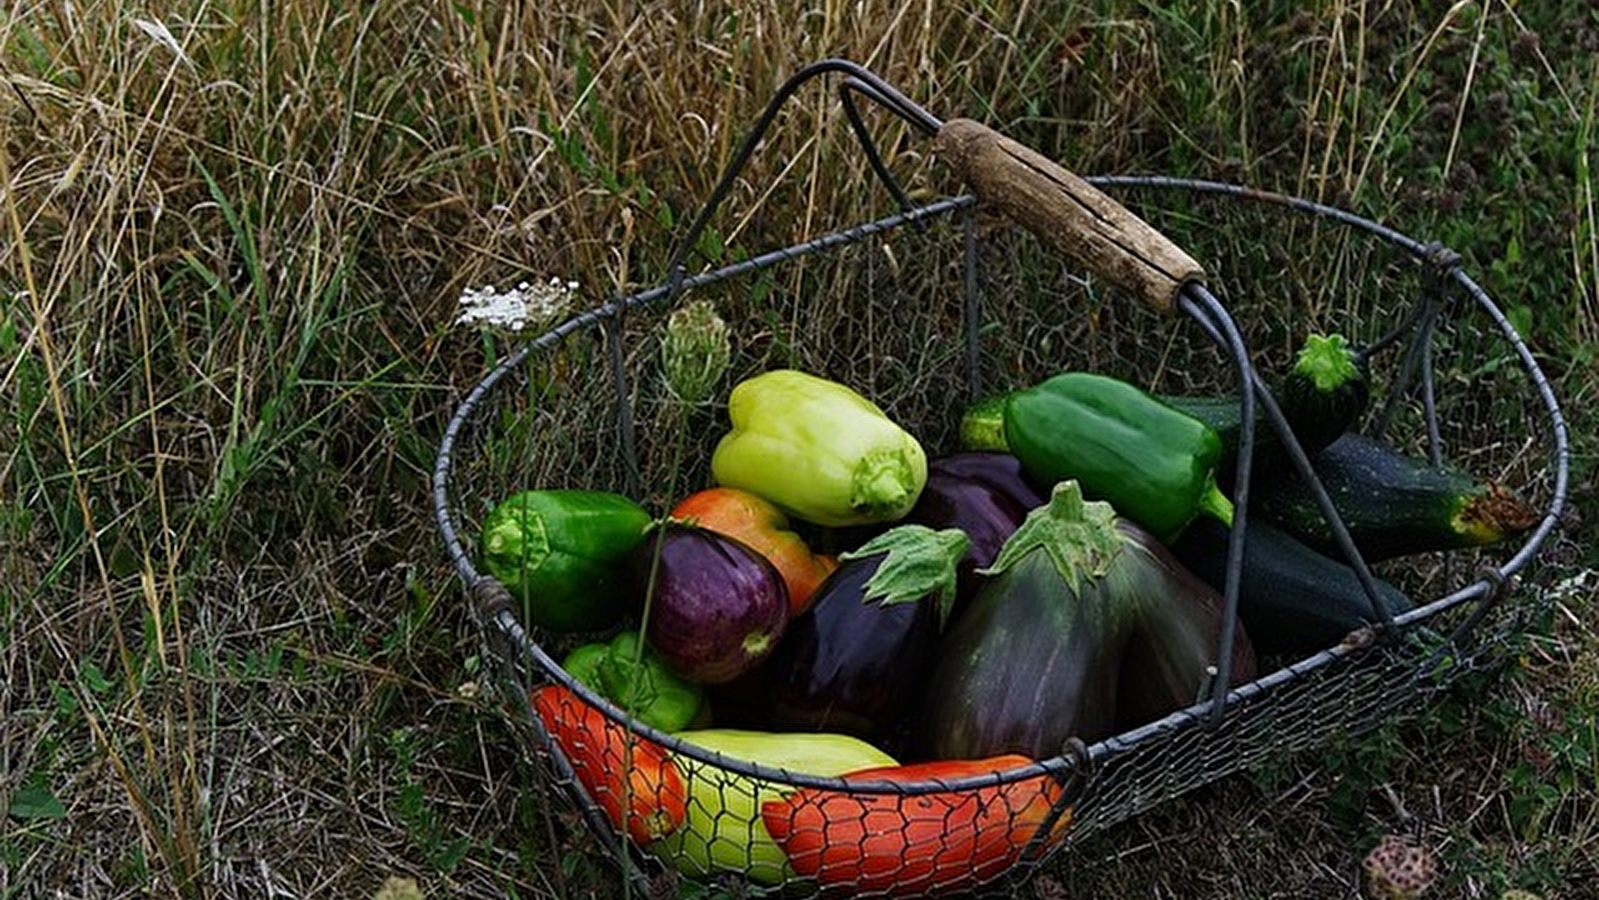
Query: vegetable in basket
x,y
559,551
855,659
713,608
984,494
818,450
1087,621
722,830
627,672
1394,504
915,844
1291,598
633,780
1156,465
746,517
1321,397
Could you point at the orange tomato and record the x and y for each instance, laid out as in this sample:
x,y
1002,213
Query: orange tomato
x,y
633,780
906,845
753,521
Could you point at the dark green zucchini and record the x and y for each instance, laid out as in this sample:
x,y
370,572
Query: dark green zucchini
x,y
1326,392
1291,599
1393,504
1321,397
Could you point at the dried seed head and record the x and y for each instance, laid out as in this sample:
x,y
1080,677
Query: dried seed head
x,y
695,351
1397,869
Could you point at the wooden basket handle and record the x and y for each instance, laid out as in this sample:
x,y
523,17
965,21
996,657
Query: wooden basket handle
x,y
1077,219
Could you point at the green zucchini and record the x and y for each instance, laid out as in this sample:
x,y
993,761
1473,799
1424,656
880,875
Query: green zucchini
x,y
1392,503
983,425
1291,599
1321,397
1326,391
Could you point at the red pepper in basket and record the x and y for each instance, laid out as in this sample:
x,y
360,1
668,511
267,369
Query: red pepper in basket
x,y
633,780
915,843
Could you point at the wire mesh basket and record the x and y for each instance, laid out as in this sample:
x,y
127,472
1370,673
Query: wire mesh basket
x,y
949,303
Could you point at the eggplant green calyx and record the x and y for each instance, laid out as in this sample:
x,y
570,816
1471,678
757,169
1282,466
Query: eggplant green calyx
x,y
917,562
1327,360
1079,536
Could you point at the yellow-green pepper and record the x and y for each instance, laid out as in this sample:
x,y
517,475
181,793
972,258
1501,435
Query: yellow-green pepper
x,y
818,450
722,828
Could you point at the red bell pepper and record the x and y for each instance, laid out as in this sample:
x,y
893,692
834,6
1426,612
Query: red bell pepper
x,y
753,521
632,779
914,844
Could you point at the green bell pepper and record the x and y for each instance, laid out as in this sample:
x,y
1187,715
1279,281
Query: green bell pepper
x,y
560,553
628,673
1154,464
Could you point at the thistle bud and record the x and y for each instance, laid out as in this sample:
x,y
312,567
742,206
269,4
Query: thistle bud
x,y
695,351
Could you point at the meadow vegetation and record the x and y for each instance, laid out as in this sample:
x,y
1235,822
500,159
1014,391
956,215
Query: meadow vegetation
x,y
233,657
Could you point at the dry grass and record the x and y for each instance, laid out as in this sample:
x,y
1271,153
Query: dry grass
x,y
233,237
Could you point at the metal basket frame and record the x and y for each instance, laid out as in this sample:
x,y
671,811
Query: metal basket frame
x,y
1392,654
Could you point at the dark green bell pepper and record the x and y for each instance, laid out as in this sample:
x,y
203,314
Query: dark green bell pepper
x,y
1154,464
631,675
560,552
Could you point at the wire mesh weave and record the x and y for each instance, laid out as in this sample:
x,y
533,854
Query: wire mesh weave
x,y
924,312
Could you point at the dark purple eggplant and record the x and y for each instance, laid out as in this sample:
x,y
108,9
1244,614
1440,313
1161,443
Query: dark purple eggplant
x,y
1001,471
1084,615
854,660
983,494
716,608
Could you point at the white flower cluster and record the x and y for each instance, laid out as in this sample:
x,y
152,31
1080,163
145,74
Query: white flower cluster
x,y
526,304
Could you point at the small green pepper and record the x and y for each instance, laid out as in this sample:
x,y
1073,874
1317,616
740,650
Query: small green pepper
x,y
560,552
1154,464
631,675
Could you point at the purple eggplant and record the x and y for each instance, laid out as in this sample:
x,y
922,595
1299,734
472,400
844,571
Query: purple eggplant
x,y
858,656
716,608
1086,625
1167,663
983,494
1001,471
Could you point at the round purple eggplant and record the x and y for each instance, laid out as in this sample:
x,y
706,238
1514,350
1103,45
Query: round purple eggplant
x,y
717,608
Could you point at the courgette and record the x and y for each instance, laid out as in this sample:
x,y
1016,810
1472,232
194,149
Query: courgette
x,y
1291,599
1321,397
1392,503
1326,391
